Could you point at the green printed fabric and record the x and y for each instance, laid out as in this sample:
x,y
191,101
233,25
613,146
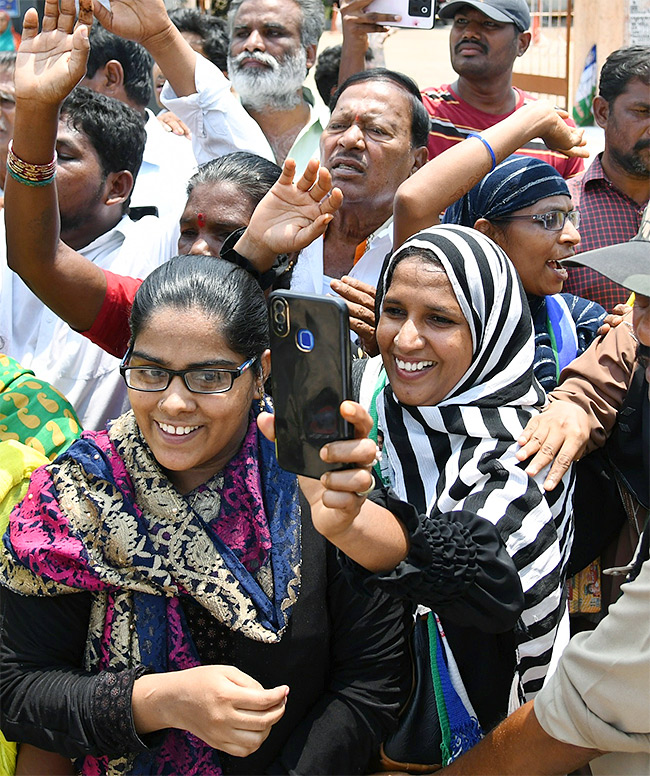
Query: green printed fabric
x,y
33,412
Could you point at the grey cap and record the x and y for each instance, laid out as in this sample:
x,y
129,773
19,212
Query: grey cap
x,y
509,11
627,264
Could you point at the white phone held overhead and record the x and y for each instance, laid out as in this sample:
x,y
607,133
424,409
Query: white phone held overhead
x,y
416,14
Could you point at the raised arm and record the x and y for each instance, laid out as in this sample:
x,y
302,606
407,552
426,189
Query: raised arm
x,y
197,91
147,22
428,192
291,215
48,67
357,22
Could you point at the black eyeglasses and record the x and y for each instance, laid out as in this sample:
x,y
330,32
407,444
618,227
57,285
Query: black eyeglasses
x,y
554,220
157,378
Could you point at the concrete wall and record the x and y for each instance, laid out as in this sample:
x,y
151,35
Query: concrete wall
x,y
610,24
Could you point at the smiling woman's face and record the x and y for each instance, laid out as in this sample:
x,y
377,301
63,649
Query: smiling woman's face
x,y
423,336
191,435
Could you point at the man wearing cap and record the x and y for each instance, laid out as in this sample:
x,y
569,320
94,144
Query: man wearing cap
x,y
485,40
594,708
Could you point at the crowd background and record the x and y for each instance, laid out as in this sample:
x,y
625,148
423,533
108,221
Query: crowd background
x,y
165,585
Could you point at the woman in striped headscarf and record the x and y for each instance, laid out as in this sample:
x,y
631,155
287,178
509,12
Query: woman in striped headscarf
x,y
486,548
524,205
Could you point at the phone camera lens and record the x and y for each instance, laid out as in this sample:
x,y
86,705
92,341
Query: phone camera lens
x,y
279,317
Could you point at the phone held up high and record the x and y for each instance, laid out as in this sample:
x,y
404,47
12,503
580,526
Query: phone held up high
x,y
416,14
310,377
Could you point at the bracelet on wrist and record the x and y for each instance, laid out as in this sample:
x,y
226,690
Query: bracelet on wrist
x,y
266,279
487,145
27,173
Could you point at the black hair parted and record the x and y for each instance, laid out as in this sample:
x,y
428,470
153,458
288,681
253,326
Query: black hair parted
x,y
419,116
252,173
115,130
223,292
621,67
136,62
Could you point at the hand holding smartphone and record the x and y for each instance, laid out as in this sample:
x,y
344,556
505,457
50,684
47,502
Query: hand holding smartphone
x,y
416,14
310,377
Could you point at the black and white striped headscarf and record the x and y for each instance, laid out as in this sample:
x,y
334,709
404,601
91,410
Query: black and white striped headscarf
x,y
460,454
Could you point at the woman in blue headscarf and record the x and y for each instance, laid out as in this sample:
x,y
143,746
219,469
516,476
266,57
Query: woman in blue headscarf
x,y
523,204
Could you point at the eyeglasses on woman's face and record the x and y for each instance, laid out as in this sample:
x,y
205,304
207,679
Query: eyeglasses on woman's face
x,y
554,220
204,380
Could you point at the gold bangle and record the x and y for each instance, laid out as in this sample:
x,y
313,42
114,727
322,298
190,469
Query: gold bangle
x,y
30,174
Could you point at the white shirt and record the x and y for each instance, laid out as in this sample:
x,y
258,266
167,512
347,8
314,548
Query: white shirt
x,y
220,124
216,118
41,341
309,275
167,165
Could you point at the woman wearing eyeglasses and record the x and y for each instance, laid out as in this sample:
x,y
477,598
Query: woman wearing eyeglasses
x,y
524,205
184,615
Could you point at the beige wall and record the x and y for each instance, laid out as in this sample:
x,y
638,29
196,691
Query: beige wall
x,y
605,23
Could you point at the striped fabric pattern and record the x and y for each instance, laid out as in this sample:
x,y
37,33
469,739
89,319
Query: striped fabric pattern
x,y
460,454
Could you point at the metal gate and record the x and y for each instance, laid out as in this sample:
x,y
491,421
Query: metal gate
x,y
544,69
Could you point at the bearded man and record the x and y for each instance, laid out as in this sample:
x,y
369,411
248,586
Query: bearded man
x,y
272,47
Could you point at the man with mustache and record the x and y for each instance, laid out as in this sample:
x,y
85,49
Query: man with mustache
x,y
272,48
612,193
485,40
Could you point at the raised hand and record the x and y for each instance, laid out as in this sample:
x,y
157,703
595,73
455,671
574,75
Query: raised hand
x,y
559,136
291,215
50,63
144,21
334,499
357,22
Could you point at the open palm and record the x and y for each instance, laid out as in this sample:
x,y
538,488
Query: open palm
x,y
138,20
292,215
50,63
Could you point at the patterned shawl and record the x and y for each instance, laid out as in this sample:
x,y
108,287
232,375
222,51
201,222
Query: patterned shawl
x,y
104,518
460,454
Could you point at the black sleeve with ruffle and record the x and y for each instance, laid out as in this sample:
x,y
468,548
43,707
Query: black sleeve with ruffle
x,y
457,565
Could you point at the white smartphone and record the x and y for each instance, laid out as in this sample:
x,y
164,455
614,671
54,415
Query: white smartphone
x,y
416,14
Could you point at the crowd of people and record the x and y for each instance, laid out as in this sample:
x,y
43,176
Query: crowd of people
x,y
171,600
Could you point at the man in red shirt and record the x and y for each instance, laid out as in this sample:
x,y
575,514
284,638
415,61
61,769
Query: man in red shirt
x,y
484,42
